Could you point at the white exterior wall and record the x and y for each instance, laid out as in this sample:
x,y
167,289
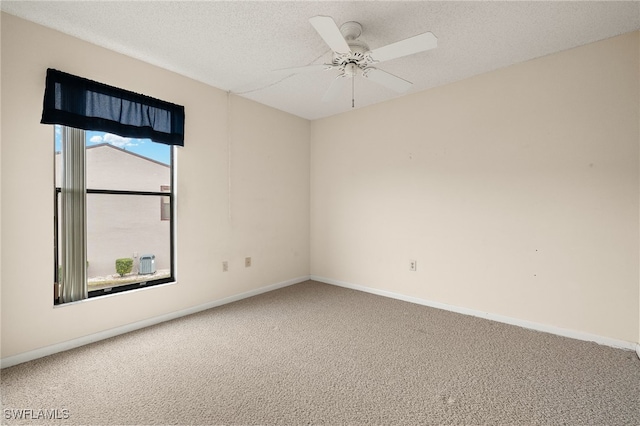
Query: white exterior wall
x,y
123,226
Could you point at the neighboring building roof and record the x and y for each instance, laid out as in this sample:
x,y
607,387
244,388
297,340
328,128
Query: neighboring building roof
x,y
111,167
128,152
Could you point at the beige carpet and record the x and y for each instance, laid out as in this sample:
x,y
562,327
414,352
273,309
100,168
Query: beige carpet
x,y
318,354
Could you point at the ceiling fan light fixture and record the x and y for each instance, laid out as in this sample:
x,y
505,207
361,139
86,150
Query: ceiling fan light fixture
x,y
351,69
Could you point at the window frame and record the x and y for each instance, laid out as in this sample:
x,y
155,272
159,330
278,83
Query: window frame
x,y
163,195
165,189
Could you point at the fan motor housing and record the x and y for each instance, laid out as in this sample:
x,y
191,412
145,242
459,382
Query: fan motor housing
x,y
357,56
358,46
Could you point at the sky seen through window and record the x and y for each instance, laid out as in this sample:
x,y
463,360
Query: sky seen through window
x,y
144,147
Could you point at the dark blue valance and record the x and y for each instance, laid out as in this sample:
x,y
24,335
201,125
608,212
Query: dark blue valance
x,y
85,104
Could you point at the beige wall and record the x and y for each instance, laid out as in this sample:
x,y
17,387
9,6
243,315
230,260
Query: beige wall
x,y
516,191
264,213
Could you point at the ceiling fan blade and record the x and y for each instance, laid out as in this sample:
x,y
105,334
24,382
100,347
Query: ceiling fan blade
x,y
387,80
304,69
334,90
330,33
405,47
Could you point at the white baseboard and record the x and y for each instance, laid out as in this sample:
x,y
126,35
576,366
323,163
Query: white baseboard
x,y
487,315
85,340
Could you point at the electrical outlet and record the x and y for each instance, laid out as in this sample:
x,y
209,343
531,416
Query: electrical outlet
x,y
225,266
413,265
247,262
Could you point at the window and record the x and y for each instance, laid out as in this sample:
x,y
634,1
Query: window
x,y
123,176
114,149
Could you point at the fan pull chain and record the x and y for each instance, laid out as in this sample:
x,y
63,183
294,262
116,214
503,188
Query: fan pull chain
x,y
353,91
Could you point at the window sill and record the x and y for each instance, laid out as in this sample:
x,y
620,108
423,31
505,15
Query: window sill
x,y
114,294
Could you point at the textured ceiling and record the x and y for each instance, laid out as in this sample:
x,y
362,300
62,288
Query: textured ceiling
x,y
235,45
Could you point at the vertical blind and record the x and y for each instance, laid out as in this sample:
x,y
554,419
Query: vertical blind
x,y
73,239
85,104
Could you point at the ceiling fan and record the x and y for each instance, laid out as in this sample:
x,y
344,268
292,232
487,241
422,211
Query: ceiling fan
x,y
352,56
